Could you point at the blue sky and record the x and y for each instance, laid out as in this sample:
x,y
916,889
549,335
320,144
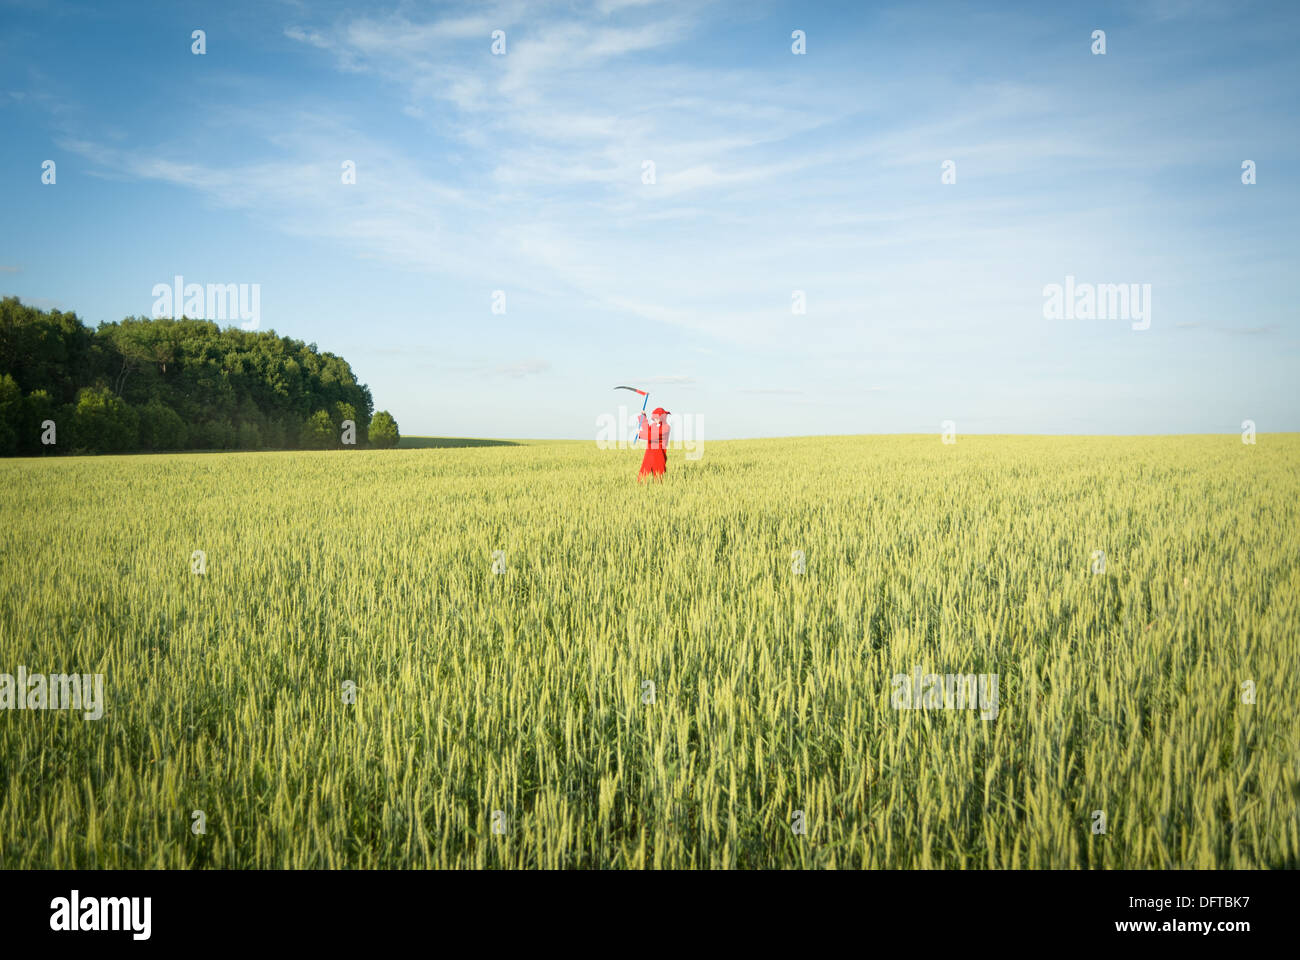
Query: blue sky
x,y
773,173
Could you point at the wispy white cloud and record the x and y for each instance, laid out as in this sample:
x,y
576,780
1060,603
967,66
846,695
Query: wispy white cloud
x,y
525,171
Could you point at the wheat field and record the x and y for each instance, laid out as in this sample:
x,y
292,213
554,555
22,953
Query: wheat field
x,y
515,656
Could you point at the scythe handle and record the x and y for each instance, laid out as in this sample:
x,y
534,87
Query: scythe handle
x,y
641,419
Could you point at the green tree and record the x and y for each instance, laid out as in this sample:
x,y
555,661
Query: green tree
x,y
38,408
161,427
215,380
45,350
318,432
102,422
11,415
343,412
276,434
250,438
383,430
224,435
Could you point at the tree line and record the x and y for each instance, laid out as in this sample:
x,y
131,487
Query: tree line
x,y
172,384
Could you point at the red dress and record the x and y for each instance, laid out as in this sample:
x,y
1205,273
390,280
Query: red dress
x,y
655,461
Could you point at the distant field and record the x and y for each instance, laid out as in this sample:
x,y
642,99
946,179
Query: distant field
x,y
650,681
447,443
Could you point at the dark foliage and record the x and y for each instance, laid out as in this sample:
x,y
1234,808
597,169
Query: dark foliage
x,y
167,384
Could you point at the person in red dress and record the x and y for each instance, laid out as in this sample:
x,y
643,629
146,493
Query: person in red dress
x,y
654,431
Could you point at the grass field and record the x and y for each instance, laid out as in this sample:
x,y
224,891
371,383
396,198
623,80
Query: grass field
x,y
518,701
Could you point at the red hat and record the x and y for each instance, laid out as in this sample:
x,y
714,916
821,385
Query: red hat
x,y
658,410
